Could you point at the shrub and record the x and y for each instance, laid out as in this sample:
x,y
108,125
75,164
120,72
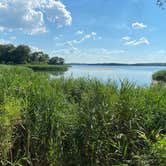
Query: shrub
x,y
160,76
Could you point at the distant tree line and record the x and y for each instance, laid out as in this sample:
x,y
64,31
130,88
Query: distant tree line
x,y
22,54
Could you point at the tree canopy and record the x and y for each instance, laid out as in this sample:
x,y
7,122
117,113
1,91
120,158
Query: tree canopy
x,y
161,3
56,60
22,54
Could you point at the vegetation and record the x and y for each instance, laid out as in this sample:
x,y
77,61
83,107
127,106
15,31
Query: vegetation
x,y
160,76
56,60
57,68
22,54
161,3
79,122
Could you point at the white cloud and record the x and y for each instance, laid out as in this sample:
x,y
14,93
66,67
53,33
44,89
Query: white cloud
x,y
138,25
56,12
1,29
143,41
126,38
3,5
89,36
35,49
128,41
3,42
29,16
79,32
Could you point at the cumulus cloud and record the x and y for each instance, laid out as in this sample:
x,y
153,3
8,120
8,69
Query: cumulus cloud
x,y
138,25
128,41
30,15
56,12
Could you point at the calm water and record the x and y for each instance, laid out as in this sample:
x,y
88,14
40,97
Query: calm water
x,y
141,75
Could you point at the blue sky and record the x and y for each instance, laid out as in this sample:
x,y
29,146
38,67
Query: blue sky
x,y
88,31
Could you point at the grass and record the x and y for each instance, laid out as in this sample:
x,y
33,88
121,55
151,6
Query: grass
x,y
45,67
160,76
79,121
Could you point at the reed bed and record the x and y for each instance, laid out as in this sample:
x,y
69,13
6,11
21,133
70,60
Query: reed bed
x,y
45,67
79,122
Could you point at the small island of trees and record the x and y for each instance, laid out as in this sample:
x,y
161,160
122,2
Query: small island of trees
x,y
22,54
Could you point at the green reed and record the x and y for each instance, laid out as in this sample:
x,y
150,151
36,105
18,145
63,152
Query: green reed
x,y
79,121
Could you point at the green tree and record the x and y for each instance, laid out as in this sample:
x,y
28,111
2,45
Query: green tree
x,y
61,61
56,61
9,54
53,60
21,54
43,58
6,53
39,57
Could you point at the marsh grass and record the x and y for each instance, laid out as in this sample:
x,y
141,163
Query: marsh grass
x,y
46,67
79,121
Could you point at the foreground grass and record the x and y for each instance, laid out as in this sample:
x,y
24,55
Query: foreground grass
x,y
79,122
45,67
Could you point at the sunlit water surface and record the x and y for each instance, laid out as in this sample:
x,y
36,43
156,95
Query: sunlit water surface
x,y
140,75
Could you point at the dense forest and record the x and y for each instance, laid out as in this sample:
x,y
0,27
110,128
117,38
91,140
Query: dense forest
x,y
22,54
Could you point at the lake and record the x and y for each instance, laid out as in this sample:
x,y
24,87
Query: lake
x,y
140,75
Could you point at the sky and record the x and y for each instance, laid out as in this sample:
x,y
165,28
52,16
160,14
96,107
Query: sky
x,y
87,31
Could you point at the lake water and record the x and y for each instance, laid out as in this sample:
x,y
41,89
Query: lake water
x,y
140,75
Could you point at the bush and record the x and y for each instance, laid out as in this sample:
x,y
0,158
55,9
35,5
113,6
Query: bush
x,y
160,76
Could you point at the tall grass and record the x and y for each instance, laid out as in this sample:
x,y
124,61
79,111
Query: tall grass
x,y
79,121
